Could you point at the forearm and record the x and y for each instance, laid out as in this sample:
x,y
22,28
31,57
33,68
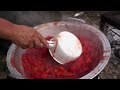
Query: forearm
x,y
6,29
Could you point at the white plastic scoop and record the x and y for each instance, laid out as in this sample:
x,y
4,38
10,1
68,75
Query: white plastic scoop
x,y
65,47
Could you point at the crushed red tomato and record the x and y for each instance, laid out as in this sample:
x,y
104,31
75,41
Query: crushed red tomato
x,y
38,63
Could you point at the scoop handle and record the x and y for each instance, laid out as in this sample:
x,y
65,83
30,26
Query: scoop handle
x,y
51,44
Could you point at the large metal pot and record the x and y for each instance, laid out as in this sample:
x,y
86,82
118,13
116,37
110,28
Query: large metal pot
x,y
77,27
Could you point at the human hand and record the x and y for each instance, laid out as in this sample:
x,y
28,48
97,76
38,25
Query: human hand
x,y
27,37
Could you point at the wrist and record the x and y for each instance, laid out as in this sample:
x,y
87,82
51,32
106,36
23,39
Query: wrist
x,y
12,34
6,29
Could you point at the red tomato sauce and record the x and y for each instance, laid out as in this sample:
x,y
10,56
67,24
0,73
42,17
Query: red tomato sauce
x,y
38,63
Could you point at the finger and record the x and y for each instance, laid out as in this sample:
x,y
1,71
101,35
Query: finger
x,y
31,45
37,43
22,46
43,40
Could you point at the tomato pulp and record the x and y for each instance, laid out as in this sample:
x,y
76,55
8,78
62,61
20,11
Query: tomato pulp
x,y
38,63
